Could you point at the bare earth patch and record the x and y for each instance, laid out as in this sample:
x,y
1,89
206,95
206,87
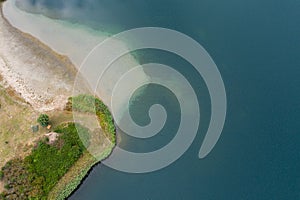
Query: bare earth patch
x,y
16,136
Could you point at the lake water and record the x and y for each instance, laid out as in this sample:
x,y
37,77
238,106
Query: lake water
x,y
256,46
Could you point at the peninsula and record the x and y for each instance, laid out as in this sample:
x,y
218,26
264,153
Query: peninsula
x,y
40,162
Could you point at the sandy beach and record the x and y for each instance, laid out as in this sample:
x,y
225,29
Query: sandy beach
x,y
76,41
38,80
43,78
40,63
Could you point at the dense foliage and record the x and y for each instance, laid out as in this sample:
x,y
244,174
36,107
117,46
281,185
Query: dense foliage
x,y
16,179
37,174
43,120
91,104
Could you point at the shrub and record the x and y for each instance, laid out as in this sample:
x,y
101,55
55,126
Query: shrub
x,y
40,171
7,186
1,175
2,196
43,120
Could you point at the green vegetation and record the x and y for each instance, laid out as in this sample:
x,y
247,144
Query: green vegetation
x,y
53,169
38,173
90,104
75,175
73,178
1,175
43,120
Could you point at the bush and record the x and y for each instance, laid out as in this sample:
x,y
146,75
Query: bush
x,y
39,172
2,196
43,120
7,186
1,175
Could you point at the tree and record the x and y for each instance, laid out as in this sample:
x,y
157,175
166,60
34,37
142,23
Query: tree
x,y
43,120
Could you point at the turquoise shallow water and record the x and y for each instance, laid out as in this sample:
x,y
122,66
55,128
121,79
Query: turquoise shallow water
x,y
256,46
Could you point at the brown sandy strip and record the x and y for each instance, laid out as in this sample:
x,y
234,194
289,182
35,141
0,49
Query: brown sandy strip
x,y
41,76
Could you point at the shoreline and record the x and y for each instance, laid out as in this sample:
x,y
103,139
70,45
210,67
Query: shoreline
x,y
76,41
23,76
29,66
64,46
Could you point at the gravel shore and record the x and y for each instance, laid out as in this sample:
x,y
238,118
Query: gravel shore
x,y
43,78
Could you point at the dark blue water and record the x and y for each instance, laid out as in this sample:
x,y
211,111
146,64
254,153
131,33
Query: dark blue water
x,y
256,46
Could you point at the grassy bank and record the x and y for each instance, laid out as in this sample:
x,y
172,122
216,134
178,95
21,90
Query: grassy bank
x,y
36,175
92,105
54,171
75,175
72,179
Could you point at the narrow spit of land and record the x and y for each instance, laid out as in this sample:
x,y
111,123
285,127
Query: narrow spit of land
x,y
34,80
